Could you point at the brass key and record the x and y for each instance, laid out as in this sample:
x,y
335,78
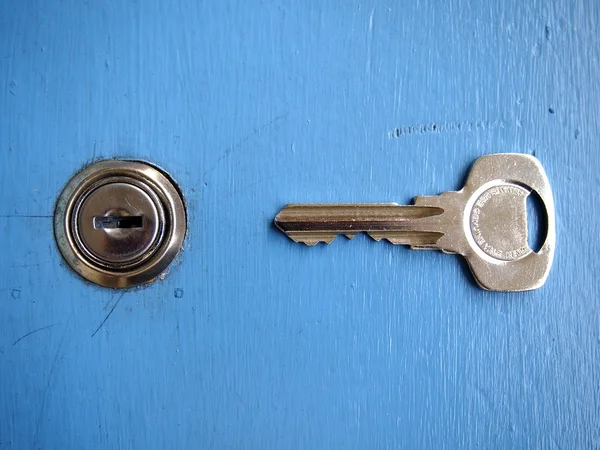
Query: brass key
x,y
485,222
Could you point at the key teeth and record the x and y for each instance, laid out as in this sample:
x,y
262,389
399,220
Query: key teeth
x,y
311,242
390,239
307,243
375,237
414,239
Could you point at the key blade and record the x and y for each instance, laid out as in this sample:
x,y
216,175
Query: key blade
x,y
311,224
421,240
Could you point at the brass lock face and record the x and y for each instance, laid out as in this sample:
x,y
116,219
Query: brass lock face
x,y
120,223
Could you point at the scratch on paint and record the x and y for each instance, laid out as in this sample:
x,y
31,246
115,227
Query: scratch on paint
x,y
256,131
369,48
426,128
34,331
49,380
23,216
108,315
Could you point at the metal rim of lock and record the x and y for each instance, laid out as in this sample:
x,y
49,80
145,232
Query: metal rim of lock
x,y
120,223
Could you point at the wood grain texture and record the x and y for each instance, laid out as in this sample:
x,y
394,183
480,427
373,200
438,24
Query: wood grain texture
x,y
252,341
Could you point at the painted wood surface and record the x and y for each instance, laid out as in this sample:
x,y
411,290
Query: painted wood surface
x,y
252,341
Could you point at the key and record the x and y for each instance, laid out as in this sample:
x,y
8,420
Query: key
x,y
485,222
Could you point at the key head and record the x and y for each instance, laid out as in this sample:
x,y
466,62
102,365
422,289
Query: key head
x,y
495,222
486,222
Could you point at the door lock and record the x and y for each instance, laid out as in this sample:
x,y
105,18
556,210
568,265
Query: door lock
x,y
120,223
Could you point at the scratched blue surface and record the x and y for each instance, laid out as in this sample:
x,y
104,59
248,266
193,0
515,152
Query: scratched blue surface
x,y
252,341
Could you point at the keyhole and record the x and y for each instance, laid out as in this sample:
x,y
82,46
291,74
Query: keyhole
x,y
537,222
111,222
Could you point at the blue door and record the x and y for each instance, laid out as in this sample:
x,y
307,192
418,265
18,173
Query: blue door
x,y
251,341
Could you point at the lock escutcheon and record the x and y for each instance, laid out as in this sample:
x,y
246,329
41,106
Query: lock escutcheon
x,y
120,223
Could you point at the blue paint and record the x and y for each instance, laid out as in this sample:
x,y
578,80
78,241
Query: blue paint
x,y
255,342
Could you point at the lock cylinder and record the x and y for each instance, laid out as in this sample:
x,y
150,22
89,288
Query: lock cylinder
x,y
120,223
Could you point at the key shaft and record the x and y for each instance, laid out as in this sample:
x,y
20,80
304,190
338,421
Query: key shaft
x,y
400,224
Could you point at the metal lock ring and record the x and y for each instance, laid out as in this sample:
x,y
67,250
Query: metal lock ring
x,y
120,223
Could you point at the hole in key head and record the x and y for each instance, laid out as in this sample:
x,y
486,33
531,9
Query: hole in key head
x,y
111,222
537,221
